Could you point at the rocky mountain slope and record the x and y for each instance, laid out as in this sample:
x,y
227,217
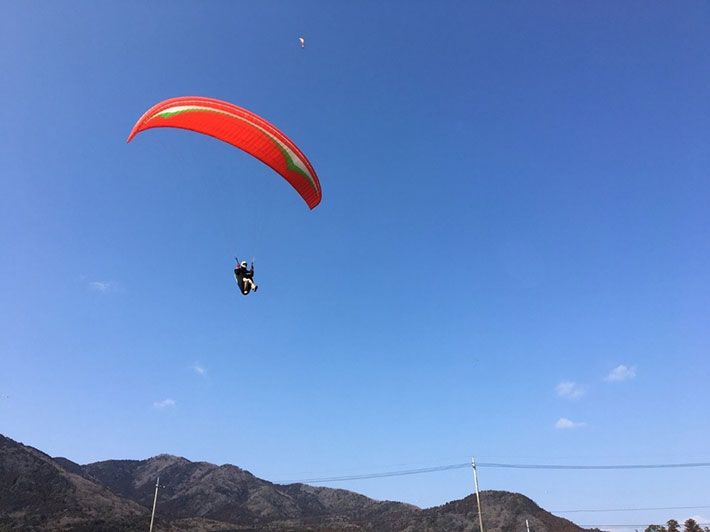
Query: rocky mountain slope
x,y
37,493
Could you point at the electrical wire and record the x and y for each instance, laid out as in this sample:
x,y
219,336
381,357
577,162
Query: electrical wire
x,y
629,525
404,472
617,466
377,475
628,509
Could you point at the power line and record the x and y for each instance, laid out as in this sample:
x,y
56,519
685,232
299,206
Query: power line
x,y
404,472
617,466
379,475
628,509
630,525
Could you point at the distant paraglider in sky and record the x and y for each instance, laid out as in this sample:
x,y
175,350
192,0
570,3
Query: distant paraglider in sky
x,y
302,41
242,129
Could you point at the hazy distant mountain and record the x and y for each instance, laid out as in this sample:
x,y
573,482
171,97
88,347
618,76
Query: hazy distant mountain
x,y
39,493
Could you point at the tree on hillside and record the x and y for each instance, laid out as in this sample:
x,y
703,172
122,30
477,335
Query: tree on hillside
x,y
655,528
691,526
673,525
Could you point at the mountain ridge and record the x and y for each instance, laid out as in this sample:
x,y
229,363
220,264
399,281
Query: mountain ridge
x,y
38,493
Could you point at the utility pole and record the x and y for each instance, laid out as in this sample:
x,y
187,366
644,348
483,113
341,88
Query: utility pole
x,y
527,525
155,500
478,498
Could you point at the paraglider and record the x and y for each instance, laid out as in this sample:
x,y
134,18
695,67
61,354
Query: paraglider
x,y
244,277
242,129
302,41
246,131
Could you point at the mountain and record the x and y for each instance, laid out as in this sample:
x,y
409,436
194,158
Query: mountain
x,y
230,494
39,493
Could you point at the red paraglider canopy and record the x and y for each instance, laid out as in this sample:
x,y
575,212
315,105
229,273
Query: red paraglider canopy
x,y
242,129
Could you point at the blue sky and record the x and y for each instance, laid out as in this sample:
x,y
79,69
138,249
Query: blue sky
x,y
515,205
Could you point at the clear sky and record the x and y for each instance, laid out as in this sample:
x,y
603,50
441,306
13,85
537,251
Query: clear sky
x,y
511,259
